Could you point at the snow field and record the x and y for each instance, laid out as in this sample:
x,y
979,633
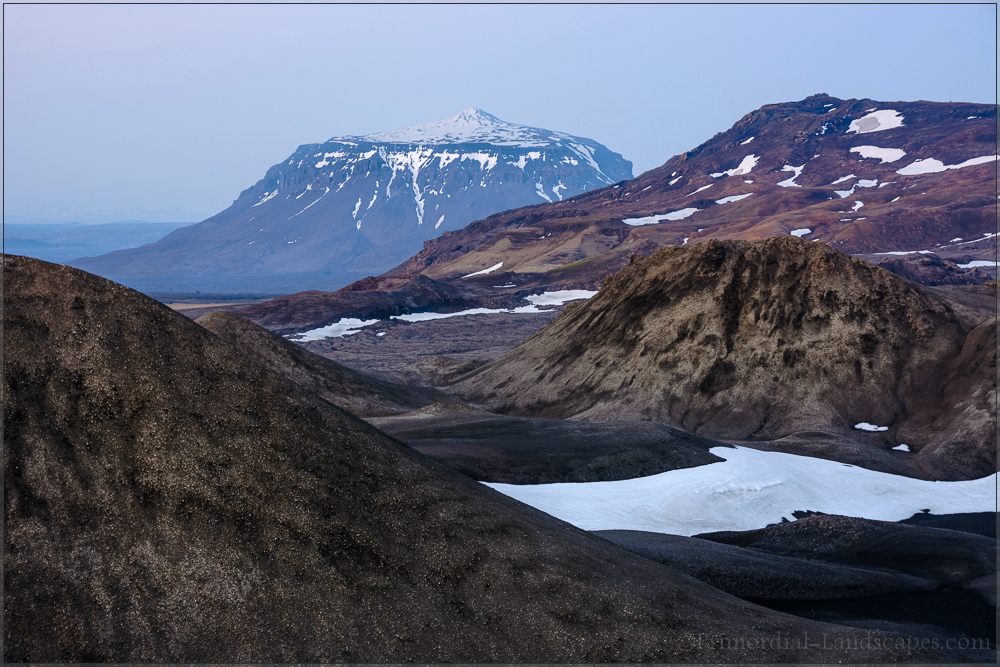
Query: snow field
x,y
750,489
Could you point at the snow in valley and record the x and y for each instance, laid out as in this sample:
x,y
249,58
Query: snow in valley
x,y
349,326
750,489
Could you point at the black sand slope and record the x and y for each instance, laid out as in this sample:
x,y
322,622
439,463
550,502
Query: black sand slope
x,y
168,500
356,392
877,575
516,450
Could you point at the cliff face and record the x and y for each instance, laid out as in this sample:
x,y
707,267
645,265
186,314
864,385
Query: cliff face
x,y
763,339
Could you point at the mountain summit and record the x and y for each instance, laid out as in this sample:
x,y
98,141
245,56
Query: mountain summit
x,y
474,126
357,205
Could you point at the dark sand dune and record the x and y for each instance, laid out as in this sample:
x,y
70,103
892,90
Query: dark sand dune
x,y
513,450
758,340
358,393
869,574
167,499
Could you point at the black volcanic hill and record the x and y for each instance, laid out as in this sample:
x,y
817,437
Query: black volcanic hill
x,y
355,206
168,500
759,340
863,176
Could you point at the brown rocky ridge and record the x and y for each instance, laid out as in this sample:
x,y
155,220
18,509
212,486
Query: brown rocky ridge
x,y
167,499
765,339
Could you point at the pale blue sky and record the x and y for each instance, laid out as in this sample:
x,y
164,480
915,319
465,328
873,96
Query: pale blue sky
x,y
150,108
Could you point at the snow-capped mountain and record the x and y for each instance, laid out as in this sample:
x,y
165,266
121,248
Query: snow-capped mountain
x,y
358,205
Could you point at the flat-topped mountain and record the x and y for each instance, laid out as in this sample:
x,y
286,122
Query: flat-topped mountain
x,y
763,339
863,176
354,206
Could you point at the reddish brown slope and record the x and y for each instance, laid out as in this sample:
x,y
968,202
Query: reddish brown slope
x,y
582,239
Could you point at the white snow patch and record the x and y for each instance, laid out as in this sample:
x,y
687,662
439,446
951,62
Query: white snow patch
x,y
704,187
883,154
675,180
749,490
732,198
559,297
653,219
843,178
748,182
892,201
744,143
540,189
744,167
933,166
790,183
357,207
267,196
484,271
438,224
445,158
486,160
800,232
556,188
686,238
978,262
902,448
556,298
380,334
884,119
345,327
522,161
865,426
857,205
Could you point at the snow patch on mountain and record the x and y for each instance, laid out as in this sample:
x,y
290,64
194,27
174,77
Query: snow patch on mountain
x,y
934,166
877,121
745,166
884,154
484,271
654,219
790,182
732,198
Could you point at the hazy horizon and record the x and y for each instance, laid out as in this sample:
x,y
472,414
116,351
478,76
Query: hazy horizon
x,y
142,112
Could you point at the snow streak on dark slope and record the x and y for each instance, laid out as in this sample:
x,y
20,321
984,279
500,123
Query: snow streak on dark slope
x,y
356,206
